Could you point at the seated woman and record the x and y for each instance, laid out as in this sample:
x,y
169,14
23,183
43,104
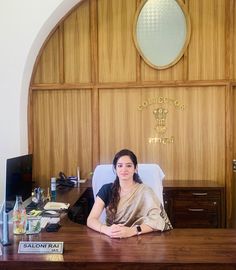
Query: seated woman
x,y
132,208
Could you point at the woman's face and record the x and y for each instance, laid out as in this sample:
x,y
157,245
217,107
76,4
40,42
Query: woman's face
x,y
125,168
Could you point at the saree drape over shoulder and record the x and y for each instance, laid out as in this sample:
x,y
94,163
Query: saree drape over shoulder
x,y
141,206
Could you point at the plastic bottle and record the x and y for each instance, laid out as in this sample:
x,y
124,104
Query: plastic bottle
x,y
53,188
5,228
19,217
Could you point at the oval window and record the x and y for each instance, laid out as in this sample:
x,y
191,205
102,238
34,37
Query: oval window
x,y
161,32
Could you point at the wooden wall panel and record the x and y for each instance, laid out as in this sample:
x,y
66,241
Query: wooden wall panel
x,y
77,54
198,151
94,45
47,70
119,121
234,122
116,50
233,36
206,53
62,133
232,184
174,73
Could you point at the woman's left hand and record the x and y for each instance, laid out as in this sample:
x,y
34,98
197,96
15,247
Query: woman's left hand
x,y
121,231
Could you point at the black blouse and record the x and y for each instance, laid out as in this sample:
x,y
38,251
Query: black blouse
x,y
105,193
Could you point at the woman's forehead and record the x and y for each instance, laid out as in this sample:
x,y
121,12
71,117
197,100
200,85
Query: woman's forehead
x,y
125,159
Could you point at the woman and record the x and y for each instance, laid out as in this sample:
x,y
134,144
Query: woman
x,y
132,208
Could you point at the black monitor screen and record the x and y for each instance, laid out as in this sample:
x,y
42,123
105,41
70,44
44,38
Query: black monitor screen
x,y
18,179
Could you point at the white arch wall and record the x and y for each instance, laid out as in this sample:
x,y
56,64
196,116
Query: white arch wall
x,y
24,26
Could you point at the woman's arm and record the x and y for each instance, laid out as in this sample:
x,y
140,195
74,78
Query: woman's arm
x,y
93,221
94,215
114,231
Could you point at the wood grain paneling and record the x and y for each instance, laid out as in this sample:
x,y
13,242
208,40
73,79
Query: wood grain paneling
x,y
77,54
232,184
62,133
48,67
233,37
116,50
174,73
118,62
206,53
198,150
93,49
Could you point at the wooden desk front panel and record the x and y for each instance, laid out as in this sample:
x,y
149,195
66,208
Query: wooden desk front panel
x,y
86,249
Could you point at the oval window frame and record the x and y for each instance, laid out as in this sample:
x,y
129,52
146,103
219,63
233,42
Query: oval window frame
x,y
184,47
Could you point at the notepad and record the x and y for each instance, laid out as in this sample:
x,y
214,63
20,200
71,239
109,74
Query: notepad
x,y
56,206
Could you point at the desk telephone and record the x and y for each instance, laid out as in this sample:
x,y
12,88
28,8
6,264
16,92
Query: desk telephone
x,y
64,181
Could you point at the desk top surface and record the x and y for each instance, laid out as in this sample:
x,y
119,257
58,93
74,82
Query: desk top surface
x,y
82,245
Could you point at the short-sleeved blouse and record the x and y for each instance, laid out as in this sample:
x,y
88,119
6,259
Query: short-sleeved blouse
x,y
105,193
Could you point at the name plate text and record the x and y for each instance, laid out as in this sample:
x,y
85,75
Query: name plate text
x,y
40,247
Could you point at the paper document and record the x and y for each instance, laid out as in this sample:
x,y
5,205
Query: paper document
x,y
56,206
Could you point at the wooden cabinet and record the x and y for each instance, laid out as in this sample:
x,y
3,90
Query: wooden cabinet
x,y
194,204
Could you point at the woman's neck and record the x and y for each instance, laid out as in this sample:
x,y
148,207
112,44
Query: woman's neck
x,y
126,186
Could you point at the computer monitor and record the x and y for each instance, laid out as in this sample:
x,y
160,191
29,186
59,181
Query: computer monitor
x,y
18,179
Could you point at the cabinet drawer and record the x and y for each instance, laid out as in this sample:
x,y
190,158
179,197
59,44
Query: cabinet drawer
x,y
196,194
195,220
195,206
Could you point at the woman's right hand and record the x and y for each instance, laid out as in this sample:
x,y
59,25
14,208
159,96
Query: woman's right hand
x,y
118,231
110,230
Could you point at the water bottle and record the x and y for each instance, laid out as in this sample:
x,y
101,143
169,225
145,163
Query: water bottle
x,y
5,229
53,188
19,217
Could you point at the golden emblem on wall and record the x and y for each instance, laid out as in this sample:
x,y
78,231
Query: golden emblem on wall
x,y
160,115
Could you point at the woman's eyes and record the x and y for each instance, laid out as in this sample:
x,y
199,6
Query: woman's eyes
x,y
127,165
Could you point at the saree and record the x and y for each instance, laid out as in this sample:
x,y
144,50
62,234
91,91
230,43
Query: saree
x,y
141,206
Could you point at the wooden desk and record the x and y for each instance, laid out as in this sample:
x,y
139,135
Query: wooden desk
x,y
71,195
86,249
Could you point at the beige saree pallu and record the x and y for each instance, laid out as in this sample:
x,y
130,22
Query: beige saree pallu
x,y
141,206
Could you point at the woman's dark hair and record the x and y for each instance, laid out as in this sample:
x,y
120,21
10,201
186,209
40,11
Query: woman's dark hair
x,y
115,197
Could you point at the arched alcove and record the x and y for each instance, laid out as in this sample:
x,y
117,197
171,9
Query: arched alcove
x,y
92,94
60,10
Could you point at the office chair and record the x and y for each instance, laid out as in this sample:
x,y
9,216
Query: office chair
x,y
151,175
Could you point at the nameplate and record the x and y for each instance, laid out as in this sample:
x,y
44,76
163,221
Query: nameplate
x,y
40,247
